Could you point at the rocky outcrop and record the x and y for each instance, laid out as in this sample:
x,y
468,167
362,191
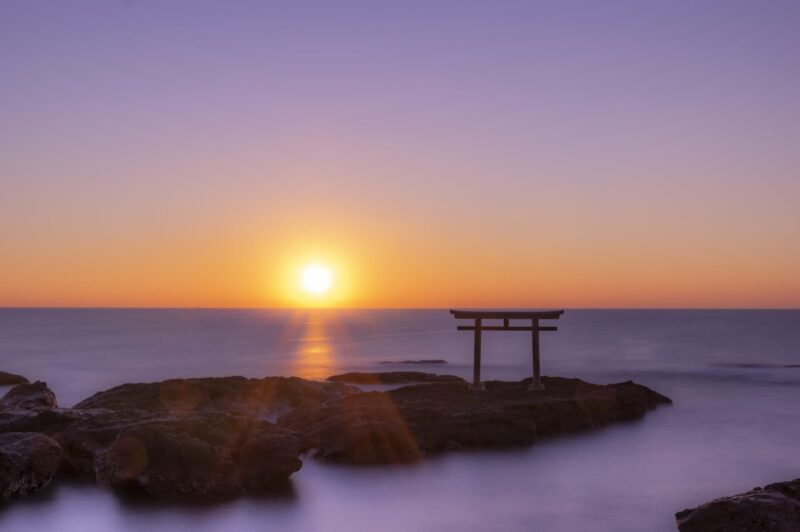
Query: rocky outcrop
x,y
35,395
773,508
214,455
393,377
218,437
362,429
404,424
250,397
7,379
187,438
28,462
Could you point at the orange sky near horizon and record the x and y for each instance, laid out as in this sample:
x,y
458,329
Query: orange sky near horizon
x,y
467,154
427,262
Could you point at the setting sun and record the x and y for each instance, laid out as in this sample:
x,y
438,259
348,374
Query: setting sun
x,y
316,279
310,276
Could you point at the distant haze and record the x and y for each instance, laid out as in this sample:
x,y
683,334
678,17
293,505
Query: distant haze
x,y
435,153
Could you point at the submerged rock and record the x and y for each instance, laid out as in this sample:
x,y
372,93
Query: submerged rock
x,y
28,462
10,379
403,424
393,377
773,508
35,395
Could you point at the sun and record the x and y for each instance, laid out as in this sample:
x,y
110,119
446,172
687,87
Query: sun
x,y
316,279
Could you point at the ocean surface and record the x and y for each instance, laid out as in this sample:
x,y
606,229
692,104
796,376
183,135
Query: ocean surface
x,y
734,377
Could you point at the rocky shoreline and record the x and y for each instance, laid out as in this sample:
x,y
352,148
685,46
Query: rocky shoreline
x,y
773,508
212,438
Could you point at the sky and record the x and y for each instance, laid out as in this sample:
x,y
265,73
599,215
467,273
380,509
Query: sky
x,y
430,154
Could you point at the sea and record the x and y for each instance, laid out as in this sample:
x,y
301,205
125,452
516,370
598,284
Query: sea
x,y
733,375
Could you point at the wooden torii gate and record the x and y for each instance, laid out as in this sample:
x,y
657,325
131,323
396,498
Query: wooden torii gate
x,y
506,316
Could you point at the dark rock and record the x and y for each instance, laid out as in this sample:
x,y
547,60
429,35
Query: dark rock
x,y
192,438
36,395
403,424
23,410
199,437
10,378
393,377
44,420
267,457
28,462
361,429
90,434
251,397
773,508
205,456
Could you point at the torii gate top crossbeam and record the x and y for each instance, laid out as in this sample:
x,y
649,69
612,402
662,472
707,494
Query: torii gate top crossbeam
x,y
508,314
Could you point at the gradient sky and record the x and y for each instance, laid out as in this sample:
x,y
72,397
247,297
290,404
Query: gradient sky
x,y
437,153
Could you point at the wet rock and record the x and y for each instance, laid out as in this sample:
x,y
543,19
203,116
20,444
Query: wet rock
x,y
28,462
35,395
773,508
251,397
402,425
7,379
199,456
393,377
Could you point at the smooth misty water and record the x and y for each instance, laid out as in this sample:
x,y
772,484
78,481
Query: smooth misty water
x,y
735,423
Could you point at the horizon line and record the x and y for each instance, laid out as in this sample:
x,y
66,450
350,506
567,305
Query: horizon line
x,y
120,307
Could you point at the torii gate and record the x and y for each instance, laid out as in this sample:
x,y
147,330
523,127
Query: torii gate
x,y
506,315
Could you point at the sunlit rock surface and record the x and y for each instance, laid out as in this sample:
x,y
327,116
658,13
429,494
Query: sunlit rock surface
x,y
773,508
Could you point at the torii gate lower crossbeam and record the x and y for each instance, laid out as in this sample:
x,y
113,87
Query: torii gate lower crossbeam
x,y
506,316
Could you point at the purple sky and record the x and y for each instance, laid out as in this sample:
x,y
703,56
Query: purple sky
x,y
630,153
